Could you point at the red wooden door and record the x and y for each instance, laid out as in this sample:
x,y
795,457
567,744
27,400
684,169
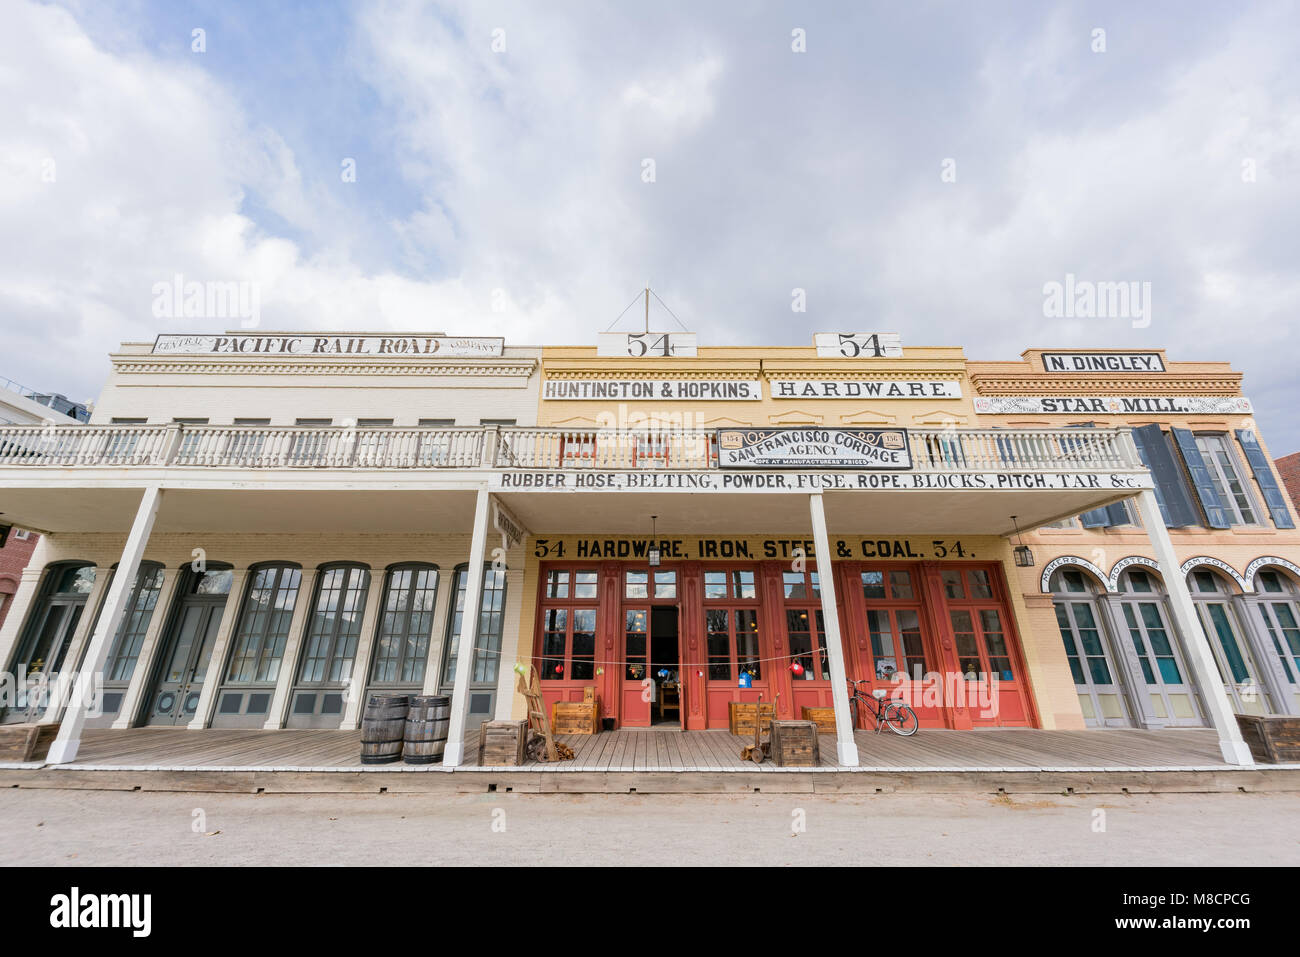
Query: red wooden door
x,y
989,667
565,650
899,653
807,663
645,673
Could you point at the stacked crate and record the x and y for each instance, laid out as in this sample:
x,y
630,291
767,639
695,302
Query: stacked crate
x,y
741,716
794,744
502,742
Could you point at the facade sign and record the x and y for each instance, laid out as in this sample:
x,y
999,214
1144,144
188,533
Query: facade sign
x,y
1113,405
813,448
1103,362
455,347
865,389
858,345
512,530
594,480
697,390
645,345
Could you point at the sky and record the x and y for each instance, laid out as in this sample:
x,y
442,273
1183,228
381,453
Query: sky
x,y
524,169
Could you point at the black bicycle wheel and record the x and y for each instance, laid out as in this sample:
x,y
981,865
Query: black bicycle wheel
x,y
853,711
901,719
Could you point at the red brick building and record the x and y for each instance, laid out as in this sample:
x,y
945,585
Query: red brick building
x,y
1288,466
15,554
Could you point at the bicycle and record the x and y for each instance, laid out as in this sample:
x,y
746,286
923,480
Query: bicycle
x,y
894,715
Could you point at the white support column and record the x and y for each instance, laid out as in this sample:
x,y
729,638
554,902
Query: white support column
x,y
137,687
356,693
469,621
845,747
68,741
1195,644
275,717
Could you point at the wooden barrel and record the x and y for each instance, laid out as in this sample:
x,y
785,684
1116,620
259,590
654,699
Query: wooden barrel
x,y
381,728
426,729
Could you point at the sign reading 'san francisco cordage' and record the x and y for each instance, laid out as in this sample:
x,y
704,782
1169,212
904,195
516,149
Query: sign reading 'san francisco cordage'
x,y
700,390
1103,362
1112,404
814,448
455,347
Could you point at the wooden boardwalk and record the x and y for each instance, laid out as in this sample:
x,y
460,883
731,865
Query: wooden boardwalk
x,y
655,750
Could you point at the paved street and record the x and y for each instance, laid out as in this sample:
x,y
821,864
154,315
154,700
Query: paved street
x,y
109,827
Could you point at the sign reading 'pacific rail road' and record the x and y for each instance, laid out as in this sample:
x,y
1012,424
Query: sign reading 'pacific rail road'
x,y
454,347
813,448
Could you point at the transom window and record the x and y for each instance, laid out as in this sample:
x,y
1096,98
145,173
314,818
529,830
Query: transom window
x,y
1226,478
970,584
801,584
638,583
886,585
736,584
571,583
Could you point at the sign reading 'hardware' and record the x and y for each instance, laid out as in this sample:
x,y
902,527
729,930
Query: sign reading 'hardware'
x,y
699,390
864,389
813,448
454,347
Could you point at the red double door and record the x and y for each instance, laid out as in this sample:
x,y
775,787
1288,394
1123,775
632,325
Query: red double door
x,y
669,645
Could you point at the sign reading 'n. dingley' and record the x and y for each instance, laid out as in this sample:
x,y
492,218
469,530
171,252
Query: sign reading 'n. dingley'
x,y
865,389
706,390
1112,404
454,347
1103,362
814,448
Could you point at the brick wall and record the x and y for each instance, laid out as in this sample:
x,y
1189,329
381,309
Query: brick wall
x,y
13,559
1288,467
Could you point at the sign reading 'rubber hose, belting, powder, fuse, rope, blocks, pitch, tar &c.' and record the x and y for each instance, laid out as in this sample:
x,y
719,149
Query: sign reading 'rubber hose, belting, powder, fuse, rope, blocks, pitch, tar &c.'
x,y
814,448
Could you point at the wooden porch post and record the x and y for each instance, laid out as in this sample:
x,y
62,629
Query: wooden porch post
x,y
68,741
846,748
469,622
1195,644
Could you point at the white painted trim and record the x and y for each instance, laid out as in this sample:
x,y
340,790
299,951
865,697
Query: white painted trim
x,y
1263,562
1112,580
1221,565
1044,583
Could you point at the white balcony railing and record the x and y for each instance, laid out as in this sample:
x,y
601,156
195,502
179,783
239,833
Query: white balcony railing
x,y
269,447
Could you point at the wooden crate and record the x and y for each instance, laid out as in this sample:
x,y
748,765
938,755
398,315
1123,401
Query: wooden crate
x,y
824,718
1273,738
740,716
26,742
575,717
502,742
794,744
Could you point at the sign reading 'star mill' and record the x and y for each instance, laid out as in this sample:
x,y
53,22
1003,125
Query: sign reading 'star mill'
x,y
814,448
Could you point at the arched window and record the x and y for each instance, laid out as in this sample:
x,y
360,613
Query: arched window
x,y
1277,610
1142,606
1213,598
334,626
263,625
487,646
1087,649
140,606
405,625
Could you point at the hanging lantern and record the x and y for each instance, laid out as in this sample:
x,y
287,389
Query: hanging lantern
x,y
796,668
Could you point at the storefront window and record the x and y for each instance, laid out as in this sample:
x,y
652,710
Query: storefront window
x,y
737,583
1280,620
733,643
335,624
801,585
264,625
402,645
487,646
1082,638
636,630
135,622
1147,621
807,647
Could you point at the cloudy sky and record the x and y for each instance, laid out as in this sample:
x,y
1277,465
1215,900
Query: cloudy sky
x,y
920,168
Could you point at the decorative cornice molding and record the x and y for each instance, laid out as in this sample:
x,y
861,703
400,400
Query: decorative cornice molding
x,y
1036,383
149,365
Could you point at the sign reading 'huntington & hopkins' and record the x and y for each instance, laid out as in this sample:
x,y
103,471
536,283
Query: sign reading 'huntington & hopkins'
x,y
814,448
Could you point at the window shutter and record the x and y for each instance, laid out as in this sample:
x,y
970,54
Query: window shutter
x,y
1117,514
1171,490
1215,514
1273,496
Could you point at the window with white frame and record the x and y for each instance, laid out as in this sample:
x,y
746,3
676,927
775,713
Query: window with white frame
x,y
1227,479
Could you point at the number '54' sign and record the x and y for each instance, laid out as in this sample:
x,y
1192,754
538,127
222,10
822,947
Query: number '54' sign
x,y
858,345
645,345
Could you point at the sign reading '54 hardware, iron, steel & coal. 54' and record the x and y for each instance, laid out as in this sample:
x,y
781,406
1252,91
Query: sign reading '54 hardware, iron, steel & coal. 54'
x,y
814,448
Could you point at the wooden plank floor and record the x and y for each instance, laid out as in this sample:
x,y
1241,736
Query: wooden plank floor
x,y
646,749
